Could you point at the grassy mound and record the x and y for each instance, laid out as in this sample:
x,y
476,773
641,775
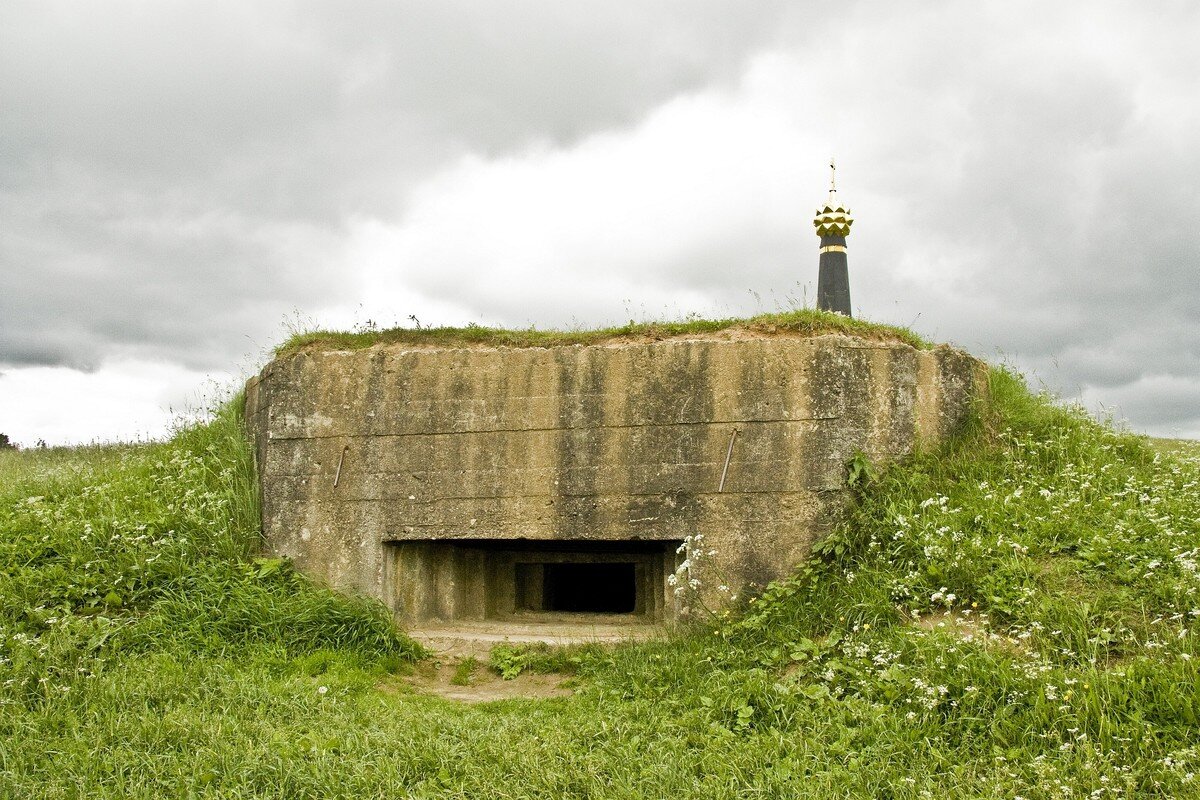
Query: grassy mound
x,y
114,549
804,322
1015,615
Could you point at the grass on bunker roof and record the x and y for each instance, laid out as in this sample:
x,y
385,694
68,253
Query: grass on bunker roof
x,y
800,322
1017,614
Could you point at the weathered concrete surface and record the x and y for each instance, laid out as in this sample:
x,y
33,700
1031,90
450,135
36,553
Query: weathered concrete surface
x,y
616,442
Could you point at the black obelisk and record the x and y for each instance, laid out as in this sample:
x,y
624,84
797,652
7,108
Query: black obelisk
x,y
833,223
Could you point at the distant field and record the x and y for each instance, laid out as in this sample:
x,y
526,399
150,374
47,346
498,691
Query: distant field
x,y
1188,447
1014,616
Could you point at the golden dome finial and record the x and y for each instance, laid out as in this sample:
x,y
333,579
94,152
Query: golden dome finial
x,y
833,219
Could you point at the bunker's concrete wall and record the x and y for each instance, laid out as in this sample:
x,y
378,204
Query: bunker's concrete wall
x,y
621,441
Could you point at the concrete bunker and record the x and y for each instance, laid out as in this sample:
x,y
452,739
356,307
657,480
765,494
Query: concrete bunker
x,y
497,485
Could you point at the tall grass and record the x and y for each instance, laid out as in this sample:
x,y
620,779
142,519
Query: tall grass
x,y
1012,616
113,549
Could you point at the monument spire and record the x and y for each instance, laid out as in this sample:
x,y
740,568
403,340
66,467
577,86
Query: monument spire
x,y
833,223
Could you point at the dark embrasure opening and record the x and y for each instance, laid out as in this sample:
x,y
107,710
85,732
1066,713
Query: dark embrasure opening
x,y
589,588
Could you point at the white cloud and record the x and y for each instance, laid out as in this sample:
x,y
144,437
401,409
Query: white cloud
x,y
123,400
707,197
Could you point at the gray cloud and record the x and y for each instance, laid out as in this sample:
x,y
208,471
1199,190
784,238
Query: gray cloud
x,y
175,178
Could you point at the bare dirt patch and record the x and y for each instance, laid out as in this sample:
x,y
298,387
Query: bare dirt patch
x,y
965,625
969,626
456,648
483,685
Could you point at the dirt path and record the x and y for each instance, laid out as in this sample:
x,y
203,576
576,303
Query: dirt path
x,y
482,685
459,671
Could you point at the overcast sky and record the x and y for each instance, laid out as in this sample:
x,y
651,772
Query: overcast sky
x,y
182,184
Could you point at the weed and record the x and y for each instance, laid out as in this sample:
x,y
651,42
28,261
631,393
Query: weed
x,y
510,660
464,672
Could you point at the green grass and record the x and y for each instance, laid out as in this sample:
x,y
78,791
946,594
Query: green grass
x,y
805,322
109,550
1064,553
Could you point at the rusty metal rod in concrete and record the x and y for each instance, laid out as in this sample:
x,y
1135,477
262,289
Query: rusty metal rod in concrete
x,y
338,475
728,455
